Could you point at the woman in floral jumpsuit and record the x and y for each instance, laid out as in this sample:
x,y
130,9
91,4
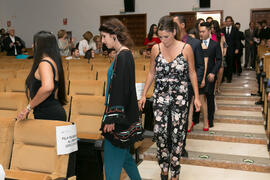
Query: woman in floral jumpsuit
x,y
171,66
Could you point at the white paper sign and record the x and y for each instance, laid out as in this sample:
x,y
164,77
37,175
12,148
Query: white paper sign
x,y
66,139
2,173
139,90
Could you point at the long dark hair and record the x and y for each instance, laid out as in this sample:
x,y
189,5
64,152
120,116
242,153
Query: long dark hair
x,y
217,29
115,26
151,32
45,44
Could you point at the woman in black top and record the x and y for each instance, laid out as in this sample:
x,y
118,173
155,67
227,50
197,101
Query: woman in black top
x,y
121,126
45,84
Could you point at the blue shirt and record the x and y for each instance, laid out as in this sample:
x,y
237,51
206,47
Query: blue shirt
x,y
109,75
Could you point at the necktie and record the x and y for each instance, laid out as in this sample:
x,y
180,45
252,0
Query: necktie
x,y
228,30
205,42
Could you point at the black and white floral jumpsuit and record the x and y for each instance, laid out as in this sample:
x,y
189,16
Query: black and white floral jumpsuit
x,y
170,110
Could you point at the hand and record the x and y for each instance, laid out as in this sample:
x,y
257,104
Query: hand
x,y
141,103
211,77
11,44
23,114
18,43
202,84
108,128
197,104
236,51
268,98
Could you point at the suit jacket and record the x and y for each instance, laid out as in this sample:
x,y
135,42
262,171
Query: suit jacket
x,y
214,57
249,36
214,63
265,33
232,40
198,57
11,50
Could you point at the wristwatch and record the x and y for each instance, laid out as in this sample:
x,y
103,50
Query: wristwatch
x,y
28,107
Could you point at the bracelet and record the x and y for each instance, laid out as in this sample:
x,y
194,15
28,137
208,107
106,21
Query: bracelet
x,y
28,107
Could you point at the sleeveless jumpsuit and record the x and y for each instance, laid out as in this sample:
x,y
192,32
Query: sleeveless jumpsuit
x,y
170,110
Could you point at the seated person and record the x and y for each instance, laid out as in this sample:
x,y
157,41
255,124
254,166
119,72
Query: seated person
x,y
13,44
111,53
98,44
146,53
86,43
75,54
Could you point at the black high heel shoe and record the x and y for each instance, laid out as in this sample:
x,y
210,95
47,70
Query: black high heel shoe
x,y
164,177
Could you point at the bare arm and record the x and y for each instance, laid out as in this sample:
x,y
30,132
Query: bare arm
x,y
47,85
223,48
150,76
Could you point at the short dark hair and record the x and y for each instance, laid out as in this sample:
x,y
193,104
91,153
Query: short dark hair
x,y
238,23
181,18
73,50
228,17
209,18
206,24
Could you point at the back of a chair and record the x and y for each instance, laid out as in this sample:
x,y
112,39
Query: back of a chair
x,y
11,104
83,75
87,112
86,87
140,76
2,85
100,66
22,74
102,76
6,140
6,74
267,65
15,85
35,148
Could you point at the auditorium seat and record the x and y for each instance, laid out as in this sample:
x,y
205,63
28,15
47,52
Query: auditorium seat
x,y
87,112
6,140
22,73
100,66
140,76
2,85
15,85
102,75
83,75
34,152
5,74
12,103
86,87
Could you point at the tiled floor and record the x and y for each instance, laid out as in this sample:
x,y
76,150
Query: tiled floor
x,y
150,170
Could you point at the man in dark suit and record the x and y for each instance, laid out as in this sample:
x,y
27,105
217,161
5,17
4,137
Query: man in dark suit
x,y
198,59
232,39
265,32
13,44
250,46
214,55
238,57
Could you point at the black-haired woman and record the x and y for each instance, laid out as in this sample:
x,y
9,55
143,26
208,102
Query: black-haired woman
x,y
45,84
121,126
152,37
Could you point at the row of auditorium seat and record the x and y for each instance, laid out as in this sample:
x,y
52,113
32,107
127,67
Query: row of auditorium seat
x,y
264,71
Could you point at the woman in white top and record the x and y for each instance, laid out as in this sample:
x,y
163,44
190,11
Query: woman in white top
x,y
86,43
